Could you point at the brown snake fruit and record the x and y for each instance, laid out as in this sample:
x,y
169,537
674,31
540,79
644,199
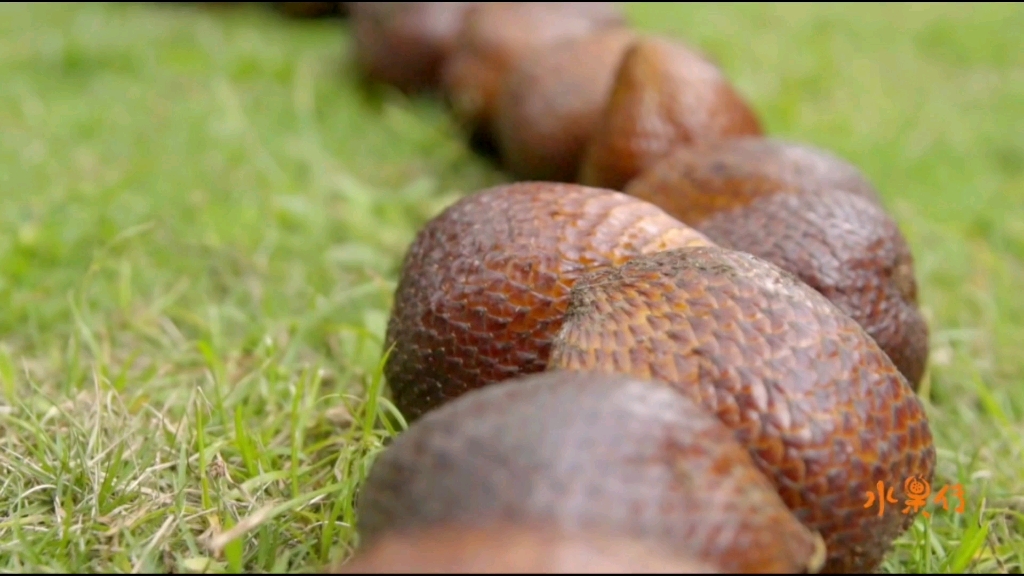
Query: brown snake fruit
x,y
824,412
497,35
550,102
587,452
484,284
516,549
717,175
665,95
405,44
809,213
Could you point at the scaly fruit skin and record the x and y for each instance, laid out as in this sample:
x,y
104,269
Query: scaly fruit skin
x,y
824,412
665,95
496,36
814,217
405,44
585,452
706,178
484,284
516,549
550,102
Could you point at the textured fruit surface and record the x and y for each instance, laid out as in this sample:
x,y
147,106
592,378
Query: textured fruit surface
x,y
586,452
517,549
551,101
665,95
497,35
822,409
825,226
484,284
405,44
703,179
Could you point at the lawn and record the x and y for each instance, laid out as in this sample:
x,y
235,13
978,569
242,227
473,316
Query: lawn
x,y
202,218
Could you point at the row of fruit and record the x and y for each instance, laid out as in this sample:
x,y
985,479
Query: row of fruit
x,y
675,344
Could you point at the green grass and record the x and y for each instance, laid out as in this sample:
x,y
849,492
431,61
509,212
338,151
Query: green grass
x,y
202,218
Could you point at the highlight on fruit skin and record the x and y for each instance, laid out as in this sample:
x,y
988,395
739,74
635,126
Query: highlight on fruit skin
x,y
809,213
484,284
550,102
824,412
721,174
405,44
517,549
587,452
665,95
496,36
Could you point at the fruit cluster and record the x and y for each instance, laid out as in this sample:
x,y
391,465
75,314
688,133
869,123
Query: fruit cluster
x,y
675,344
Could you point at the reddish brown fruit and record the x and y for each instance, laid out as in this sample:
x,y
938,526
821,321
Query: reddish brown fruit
x,y
665,95
405,44
514,549
718,175
551,101
497,35
484,285
809,213
587,452
822,409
